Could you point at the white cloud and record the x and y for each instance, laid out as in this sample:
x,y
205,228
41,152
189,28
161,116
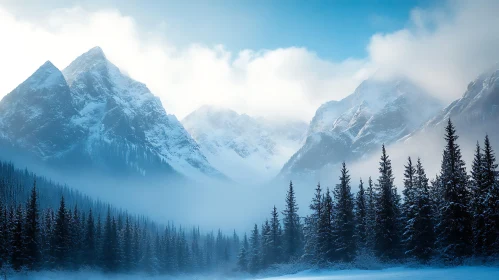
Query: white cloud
x,y
289,82
442,49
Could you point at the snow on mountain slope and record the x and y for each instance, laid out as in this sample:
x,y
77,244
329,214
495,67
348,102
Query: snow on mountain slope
x,y
34,115
103,117
479,105
474,115
242,147
377,112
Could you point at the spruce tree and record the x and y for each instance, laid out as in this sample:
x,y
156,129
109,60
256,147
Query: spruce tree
x,y
409,207
108,244
361,217
3,236
47,238
266,245
254,260
370,216
243,261
292,227
344,220
90,244
490,199
454,230
127,245
311,228
61,236
32,228
478,205
422,239
326,236
99,246
387,230
76,238
18,255
275,237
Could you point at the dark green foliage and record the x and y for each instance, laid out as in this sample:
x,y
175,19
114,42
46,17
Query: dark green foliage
x,y
361,209
292,236
344,219
454,229
387,229
33,236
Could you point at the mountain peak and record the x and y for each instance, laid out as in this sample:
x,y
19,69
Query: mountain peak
x,y
92,59
95,53
48,65
45,76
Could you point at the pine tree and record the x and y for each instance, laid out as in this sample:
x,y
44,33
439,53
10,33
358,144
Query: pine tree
x,y
3,235
109,248
387,230
344,218
75,238
311,229
254,260
99,243
436,199
455,233
61,236
292,227
490,199
33,256
136,250
266,245
409,207
127,245
421,242
47,237
361,217
326,235
275,237
90,243
370,216
18,256
478,193
242,262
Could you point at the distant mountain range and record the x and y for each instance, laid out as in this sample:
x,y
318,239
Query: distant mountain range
x,y
242,147
376,112
91,116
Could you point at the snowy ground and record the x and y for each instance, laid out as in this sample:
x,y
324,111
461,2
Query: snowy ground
x,y
458,273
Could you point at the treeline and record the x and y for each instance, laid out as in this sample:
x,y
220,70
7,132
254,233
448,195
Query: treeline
x,y
49,226
449,220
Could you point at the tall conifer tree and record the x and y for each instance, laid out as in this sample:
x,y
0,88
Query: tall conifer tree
x,y
454,230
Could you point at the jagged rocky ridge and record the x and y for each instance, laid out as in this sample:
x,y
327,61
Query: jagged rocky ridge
x,y
92,115
347,130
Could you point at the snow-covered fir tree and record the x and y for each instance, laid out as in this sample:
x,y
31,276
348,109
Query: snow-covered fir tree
x,y
387,229
361,208
491,199
292,235
344,219
455,227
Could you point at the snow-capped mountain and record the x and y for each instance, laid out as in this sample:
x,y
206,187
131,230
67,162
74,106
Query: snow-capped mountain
x,y
94,115
478,108
376,112
474,115
243,147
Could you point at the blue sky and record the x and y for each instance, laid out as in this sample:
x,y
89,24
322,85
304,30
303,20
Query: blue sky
x,y
335,29
297,54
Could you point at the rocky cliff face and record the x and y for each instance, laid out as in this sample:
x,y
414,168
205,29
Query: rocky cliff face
x,y
93,115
